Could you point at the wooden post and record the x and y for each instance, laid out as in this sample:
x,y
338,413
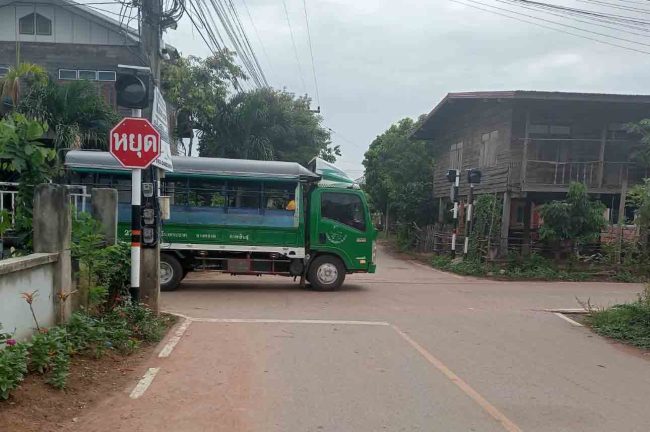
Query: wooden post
x,y
505,224
524,161
601,156
525,242
621,214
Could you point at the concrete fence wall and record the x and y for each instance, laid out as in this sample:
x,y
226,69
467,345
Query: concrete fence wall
x,y
35,272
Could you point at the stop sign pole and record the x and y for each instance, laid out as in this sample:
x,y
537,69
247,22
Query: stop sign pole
x,y
135,143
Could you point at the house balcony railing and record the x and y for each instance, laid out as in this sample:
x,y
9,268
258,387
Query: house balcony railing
x,y
593,174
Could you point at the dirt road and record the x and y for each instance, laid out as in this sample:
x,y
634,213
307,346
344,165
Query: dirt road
x,y
407,349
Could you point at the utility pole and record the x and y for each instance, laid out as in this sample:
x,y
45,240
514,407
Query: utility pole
x,y
150,36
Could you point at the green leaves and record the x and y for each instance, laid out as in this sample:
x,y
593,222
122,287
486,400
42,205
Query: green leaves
x,y
267,124
399,174
13,367
577,219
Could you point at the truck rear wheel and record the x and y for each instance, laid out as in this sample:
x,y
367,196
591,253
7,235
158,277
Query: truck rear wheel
x,y
171,272
326,273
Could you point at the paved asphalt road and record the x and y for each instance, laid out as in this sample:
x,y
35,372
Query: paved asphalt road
x,y
407,349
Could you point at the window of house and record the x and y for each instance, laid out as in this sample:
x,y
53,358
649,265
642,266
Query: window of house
x,y
67,74
616,131
488,150
553,130
3,71
106,76
43,25
344,208
456,156
88,75
35,23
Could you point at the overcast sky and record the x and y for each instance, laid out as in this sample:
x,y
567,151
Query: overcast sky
x,y
379,61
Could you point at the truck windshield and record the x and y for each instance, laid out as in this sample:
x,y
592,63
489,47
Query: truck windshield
x,y
344,208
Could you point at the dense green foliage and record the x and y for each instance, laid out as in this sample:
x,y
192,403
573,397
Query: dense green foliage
x,y
13,367
268,124
27,160
486,226
577,219
264,124
16,81
629,322
534,267
399,175
49,352
199,88
104,270
77,115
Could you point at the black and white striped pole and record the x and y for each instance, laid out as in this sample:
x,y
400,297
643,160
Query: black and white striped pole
x,y
454,177
473,177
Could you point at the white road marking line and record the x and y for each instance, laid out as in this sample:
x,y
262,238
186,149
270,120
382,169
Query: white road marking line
x,y
171,343
567,319
568,310
288,321
144,383
507,424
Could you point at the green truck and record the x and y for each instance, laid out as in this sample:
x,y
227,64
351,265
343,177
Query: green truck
x,y
248,217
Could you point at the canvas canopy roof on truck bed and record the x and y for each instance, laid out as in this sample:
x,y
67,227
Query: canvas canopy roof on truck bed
x,y
85,160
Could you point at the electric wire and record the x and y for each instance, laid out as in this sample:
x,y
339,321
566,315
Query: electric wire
x,y
311,52
295,49
257,35
473,4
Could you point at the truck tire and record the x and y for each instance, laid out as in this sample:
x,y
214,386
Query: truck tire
x,y
326,273
171,272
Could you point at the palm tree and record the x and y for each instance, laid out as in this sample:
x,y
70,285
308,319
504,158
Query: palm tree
x,y
76,113
14,83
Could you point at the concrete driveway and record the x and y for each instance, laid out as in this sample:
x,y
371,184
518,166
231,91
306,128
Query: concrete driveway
x,y
407,349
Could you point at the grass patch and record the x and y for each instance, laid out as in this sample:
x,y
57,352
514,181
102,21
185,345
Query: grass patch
x,y
629,323
534,267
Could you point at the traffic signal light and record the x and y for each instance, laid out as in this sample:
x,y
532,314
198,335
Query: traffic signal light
x,y
132,90
451,175
473,176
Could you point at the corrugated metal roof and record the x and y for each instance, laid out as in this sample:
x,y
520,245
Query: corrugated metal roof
x,y
526,95
213,167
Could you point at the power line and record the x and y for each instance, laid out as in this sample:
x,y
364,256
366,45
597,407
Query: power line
x,y
257,34
472,4
311,52
561,24
293,42
615,6
584,21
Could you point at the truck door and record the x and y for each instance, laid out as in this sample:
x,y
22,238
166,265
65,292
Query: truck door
x,y
340,226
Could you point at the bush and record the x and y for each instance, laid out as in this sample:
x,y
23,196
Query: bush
x,y
13,367
50,354
629,323
442,262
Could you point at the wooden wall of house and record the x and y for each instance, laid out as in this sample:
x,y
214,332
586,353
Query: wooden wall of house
x,y
469,126
587,121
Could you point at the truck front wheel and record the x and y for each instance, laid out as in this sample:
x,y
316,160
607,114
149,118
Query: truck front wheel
x,y
326,273
171,272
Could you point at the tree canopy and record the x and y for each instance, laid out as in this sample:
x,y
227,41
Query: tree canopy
x,y
263,124
198,88
399,174
268,124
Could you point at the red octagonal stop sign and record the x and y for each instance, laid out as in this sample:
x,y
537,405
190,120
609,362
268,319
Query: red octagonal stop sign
x,y
135,143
